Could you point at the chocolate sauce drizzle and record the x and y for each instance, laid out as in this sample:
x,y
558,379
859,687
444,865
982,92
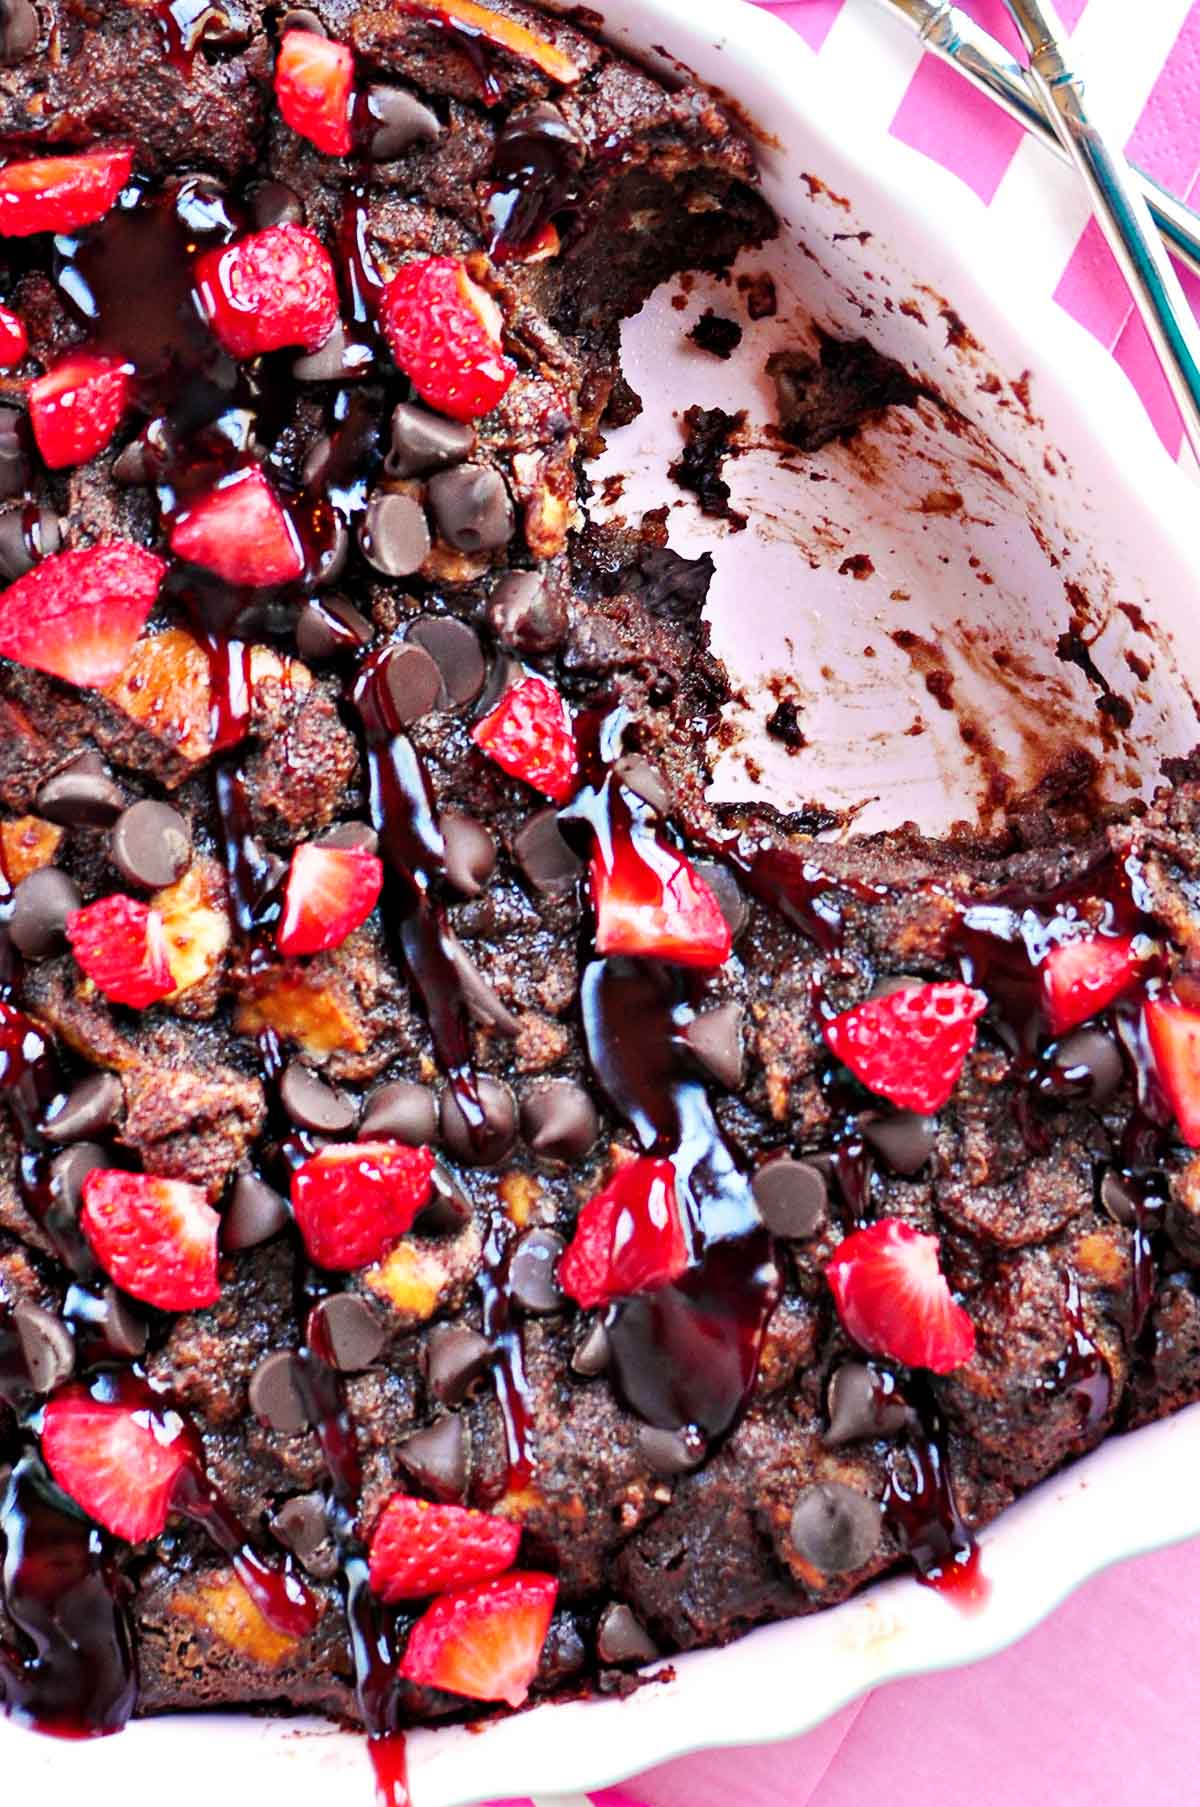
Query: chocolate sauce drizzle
x,y
921,1512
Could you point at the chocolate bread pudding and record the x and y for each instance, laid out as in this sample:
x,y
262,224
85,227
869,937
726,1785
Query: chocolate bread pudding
x,y
476,1215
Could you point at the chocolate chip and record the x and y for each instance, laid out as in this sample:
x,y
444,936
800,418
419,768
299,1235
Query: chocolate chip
x,y
864,1402
620,1638
531,1277
905,1140
47,1346
275,1393
891,983
497,1133
400,119
394,535
470,852
505,672
88,1109
339,357
15,468
69,1170
559,1121
302,18
256,1213
352,836
311,1104
150,845
1093,1060
131,466
41,905
645,781
27,534
672,1453
478,995
400,1112
471,507
302,1526
592,1355
82,795
448,1210
413,683
715,1039
539,849
792,1197
436,1458
1118,1199
275,204
423,442
835,1528
455,650
18,30
346,1327
330,625
526,613
731,899
454,1358
124,1331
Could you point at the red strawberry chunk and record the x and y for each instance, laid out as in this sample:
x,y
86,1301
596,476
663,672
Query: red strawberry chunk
x,y
56,194
893,1298
330,892
483,1642
628,1238
14,340
1174,1034
156,1238
529,735
314,89
649,901
421,1549
77,615
1081,978
909,1046
121,945
240,531
275,288
446,334
352,1201
118,1462
76,408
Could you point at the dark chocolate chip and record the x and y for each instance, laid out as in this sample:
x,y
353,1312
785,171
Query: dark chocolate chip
x,y
413,682
620,1638
455,650
559,1121
470,852
864,1402
302,18
350,835
593,1354
400,1112
422,442
26,535
69,1170
891,983
436,1458
471,507
88,1109
454,1358
47,1346
399,120
131,466
672,1453
125,1332
339,357
499,1124
539,849
82,795
531,1276
1093,1059
792,1197
731,899
18,31
645,781
302,1526
256,1213
905,1140
478,995
150,845
346,1326
448,1210
527,613
275,204
835,1528
505,672
41,905
311,1104
275,1393
1118,1200
328,626
715,1039
395,534
15,468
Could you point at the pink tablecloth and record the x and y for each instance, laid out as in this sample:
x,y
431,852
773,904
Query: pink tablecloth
x,y
1097,1707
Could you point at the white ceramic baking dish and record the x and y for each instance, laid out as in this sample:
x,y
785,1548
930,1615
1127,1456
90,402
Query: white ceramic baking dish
x,y
1067,507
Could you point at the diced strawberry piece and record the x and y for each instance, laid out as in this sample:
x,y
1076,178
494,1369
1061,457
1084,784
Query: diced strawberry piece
x,y
78,615
119,1462
76,408
14,340
446,334
1081,978
483,1642
275,288
506,33
649,901
121,945
421,1549
330,892
529,735
156,1238
56,194
352,1201
910,1045
628,1238
1174,1032
893,1298
240,531
314,89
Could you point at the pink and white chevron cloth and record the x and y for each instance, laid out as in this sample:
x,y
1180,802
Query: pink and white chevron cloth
x,y
1097,1707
